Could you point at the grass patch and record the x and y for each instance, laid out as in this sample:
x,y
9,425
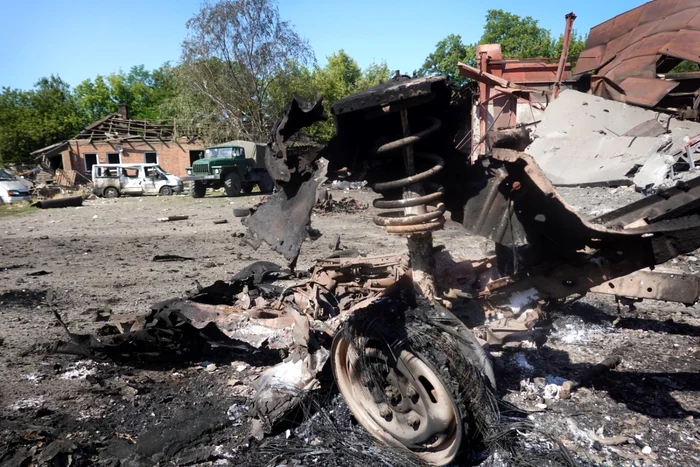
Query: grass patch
x,y
7,210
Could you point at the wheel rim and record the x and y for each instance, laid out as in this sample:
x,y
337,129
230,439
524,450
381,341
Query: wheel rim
x,y
166,191
110,193
413,410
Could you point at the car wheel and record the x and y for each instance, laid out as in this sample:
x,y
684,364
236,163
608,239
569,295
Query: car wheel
x,y
111,192
166,191
198,190
232,184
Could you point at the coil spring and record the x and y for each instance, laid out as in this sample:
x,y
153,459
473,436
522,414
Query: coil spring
x,y
398,222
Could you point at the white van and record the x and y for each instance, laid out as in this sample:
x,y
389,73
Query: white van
x,y
114,180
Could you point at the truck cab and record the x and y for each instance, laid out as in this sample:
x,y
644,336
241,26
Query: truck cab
x,y
114,180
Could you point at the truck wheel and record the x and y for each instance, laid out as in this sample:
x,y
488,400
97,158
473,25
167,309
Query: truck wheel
x,y
166,191
198,190
266,183
427,391
110,192
232,184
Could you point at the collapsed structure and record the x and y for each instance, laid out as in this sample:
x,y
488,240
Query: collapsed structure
x,y
117,139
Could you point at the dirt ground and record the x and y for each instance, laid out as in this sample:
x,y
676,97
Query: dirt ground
x,y
97,260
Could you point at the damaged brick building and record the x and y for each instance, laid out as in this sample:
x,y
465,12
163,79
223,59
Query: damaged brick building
x,y
116,139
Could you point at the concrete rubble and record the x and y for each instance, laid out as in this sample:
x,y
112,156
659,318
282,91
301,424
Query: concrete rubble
x,y
585,140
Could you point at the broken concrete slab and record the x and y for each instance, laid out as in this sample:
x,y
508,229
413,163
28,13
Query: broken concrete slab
x,y
577,114
593,160
655,171
585,140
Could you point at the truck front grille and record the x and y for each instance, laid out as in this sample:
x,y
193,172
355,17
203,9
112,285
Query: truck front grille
x,y
200,169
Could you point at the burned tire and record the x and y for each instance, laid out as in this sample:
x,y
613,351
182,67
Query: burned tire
x,y
417,386
110,192
166,191
232,184
266,183
198,190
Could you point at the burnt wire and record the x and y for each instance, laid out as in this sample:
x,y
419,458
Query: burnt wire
x,y
330,437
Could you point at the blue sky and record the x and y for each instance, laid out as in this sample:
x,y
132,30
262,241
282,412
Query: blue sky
x,y
80,39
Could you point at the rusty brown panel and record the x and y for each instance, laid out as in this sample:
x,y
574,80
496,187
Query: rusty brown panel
x,y
694,22
493,51
590,59
646,92
644,30
686,45
615,46
664,8
675,22
650,45
631,44
521,73
508,106
603,87
613,28
642,67
671,286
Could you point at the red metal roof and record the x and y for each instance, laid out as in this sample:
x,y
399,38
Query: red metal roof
x,y
626,49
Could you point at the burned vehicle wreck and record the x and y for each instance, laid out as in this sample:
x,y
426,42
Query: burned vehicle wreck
x,y
413,373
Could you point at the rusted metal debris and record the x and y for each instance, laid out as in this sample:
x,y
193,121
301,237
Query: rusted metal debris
x,y
262,307
347,205
283,221
632,54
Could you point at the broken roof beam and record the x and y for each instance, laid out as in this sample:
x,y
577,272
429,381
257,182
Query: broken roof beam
x,y
680,76
481,76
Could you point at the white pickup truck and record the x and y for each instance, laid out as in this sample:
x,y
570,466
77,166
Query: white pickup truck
x,y
114,180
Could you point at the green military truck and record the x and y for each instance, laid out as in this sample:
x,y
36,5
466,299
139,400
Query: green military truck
x,y
236,166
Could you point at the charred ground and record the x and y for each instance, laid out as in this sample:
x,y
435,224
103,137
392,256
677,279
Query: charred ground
x,y
178,409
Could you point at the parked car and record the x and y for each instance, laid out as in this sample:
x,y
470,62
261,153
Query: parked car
x,y
12,190
114,180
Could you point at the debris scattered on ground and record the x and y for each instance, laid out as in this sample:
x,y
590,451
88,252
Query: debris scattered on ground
x,y
173,218
72,201
346,204
162,258
38,273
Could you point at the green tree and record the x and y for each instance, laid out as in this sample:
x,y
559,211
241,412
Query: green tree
x,y
143,91
519,38
376,73
444,60
233,53
36,118
94,99
340,77
577,44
